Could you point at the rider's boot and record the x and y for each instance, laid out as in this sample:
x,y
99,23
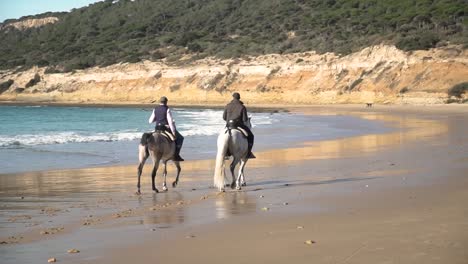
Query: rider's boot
x,y
177,156
251,155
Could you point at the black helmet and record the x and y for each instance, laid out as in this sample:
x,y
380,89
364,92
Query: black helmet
x,y
163,99
236,95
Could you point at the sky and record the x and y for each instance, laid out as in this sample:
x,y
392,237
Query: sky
x,y
18,8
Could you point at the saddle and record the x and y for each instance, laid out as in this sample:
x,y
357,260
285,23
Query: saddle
x,y
243,132
164,131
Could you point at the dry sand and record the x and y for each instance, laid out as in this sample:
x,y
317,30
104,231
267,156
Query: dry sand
x,y
392,198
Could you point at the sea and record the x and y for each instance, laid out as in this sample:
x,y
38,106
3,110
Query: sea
x,y
38,138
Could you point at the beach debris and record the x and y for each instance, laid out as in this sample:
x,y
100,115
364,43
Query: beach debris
x,y
50,211
257,189
190,236
125,213
22,197
367,185
286,184
204,197
265,209
73,251
193,189
13,239
309,242
300,227
51,231
52,260
19,217
285,203
262,196
3,243
153,229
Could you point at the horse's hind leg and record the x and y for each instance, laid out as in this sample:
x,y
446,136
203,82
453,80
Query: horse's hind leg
x,y
174,184
142,156
240,177
232,167
165,175
153,174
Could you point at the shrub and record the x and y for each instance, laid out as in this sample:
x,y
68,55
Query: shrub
x,y
5,85
50,70
404,90
421,41
458,90
34,81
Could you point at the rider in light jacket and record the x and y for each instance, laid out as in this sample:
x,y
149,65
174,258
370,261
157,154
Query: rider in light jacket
x,y
163,118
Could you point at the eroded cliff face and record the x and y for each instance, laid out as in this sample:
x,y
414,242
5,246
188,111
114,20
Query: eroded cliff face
x,y
379,74
30,23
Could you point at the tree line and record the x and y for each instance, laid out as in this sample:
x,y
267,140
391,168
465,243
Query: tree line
x,y
114,31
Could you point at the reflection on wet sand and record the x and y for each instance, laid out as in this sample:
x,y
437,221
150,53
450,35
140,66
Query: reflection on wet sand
x,y
234,203
171,213
408,130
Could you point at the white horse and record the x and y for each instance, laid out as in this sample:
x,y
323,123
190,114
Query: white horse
x,y
234,141
160,148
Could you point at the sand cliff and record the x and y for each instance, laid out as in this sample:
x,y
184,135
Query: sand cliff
x,y
30,23
378,74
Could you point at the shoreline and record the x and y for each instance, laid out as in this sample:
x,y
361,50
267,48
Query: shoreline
x,y
370,150
255,106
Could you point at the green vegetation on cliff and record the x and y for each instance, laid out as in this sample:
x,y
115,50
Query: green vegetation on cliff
x,y
129,31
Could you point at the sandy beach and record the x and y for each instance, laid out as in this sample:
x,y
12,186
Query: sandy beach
x,y
398,197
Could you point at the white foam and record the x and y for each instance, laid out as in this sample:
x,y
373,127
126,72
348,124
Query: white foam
x,y
65,137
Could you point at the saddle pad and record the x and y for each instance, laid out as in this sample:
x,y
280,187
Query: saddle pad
x,y
166,134
240,130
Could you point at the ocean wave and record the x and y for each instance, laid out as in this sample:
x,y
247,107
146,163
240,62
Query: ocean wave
x,y
189,123
65,137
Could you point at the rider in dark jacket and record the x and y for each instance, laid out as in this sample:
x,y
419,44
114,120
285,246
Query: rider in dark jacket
x,y
162,116
235,115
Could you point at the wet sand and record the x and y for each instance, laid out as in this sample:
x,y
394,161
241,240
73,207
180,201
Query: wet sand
x,y
390,198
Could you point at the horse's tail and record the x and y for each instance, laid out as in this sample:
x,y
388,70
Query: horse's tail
x,y
144,142
223,144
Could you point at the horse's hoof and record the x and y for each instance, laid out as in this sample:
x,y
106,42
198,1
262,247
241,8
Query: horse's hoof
x,y
164,189
174,184
244,184
138,193
155,190
238,188
233,185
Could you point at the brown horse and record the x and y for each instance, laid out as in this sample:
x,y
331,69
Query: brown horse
x,y
160,148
